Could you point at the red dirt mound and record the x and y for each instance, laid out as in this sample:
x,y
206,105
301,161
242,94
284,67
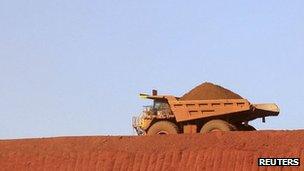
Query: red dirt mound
x,y
212,151
209,91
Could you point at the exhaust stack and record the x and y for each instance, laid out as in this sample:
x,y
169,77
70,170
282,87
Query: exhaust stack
x,y
154,92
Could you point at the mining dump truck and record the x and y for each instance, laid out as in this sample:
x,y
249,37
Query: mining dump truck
x,y
170,115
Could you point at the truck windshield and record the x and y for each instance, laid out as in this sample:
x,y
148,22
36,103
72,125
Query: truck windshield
x,y
159,105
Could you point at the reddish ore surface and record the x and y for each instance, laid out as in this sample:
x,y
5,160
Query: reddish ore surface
x,y
209,91
212,151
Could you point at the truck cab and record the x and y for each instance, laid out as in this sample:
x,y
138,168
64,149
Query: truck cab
x,y
159,110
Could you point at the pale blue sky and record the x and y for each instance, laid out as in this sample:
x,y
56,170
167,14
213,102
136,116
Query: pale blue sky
x,y
76,67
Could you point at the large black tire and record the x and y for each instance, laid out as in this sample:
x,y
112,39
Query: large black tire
x,y
163,127
217,125
246,128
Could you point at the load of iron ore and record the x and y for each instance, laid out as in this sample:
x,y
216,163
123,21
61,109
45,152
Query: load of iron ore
x,y
209,91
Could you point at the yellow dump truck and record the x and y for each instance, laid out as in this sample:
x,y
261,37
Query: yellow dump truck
x,y
170,115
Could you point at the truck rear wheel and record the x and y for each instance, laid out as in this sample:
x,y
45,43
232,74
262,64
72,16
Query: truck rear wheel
x,y
163,127
217,125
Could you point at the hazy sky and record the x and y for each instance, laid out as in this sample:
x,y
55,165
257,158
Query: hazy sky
x,y
77,67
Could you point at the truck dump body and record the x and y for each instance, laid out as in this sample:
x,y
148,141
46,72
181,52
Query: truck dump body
x,y
198,109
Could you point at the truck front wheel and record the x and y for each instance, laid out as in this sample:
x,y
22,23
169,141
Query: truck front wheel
x,y
163,127
217,125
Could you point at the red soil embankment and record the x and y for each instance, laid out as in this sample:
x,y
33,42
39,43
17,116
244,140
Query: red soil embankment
x,y
212,151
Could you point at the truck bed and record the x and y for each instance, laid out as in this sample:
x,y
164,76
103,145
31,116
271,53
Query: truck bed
x,y
199,109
